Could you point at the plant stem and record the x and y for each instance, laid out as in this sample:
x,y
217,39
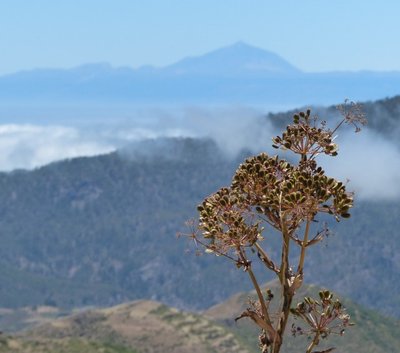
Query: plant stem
x,y
259,293
287,294
313,343
267,261
303,248
270,331
285,251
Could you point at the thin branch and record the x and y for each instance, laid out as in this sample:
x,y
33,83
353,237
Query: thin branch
x,y
313,343
307,319
213,249
285,244
271,331
295,239
317,150
266,220
283,275
254,281
261,323
338,126
265,259
303,249
317,238
285,253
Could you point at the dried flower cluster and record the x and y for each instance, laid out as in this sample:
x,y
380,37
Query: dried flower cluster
x,y
323,318
267,191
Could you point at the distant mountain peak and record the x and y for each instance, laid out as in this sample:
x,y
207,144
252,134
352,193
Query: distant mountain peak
x,y
241,45
237,59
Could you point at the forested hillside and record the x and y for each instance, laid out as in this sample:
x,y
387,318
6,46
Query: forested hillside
x,y
102,230
383,116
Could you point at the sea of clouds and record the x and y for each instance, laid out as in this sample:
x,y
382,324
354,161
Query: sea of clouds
x,y
370,161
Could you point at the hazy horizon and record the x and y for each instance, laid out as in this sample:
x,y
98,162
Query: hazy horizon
x,y
147,65
313,35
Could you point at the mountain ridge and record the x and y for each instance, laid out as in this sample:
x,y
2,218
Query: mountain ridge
x,y
235,74
241,49
153,327
234,60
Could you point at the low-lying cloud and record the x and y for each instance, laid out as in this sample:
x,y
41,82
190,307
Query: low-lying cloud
x,y
30,146
233,129
371,162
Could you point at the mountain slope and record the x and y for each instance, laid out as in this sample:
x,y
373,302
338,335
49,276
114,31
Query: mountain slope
x,y
102,230
383,116
239,59
372,333
148,326
142,326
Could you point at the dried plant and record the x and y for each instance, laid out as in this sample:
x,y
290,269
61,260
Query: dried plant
x,y
323,318
269,192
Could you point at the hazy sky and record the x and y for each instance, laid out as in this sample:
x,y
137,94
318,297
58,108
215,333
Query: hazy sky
x,y
315,35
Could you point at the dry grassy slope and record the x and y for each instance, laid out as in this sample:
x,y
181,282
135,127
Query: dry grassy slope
x,y
373,333
151,327
13,320
141,326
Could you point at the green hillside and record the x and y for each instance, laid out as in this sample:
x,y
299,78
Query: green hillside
x,y
102,230
372,333
383,116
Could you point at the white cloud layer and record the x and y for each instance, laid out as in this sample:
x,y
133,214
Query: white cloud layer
x,y
30,146
371,162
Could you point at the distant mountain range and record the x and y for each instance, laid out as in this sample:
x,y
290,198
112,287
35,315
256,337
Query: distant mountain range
x,y
236,74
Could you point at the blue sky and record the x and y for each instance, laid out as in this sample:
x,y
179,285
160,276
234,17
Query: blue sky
x,y
315,35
